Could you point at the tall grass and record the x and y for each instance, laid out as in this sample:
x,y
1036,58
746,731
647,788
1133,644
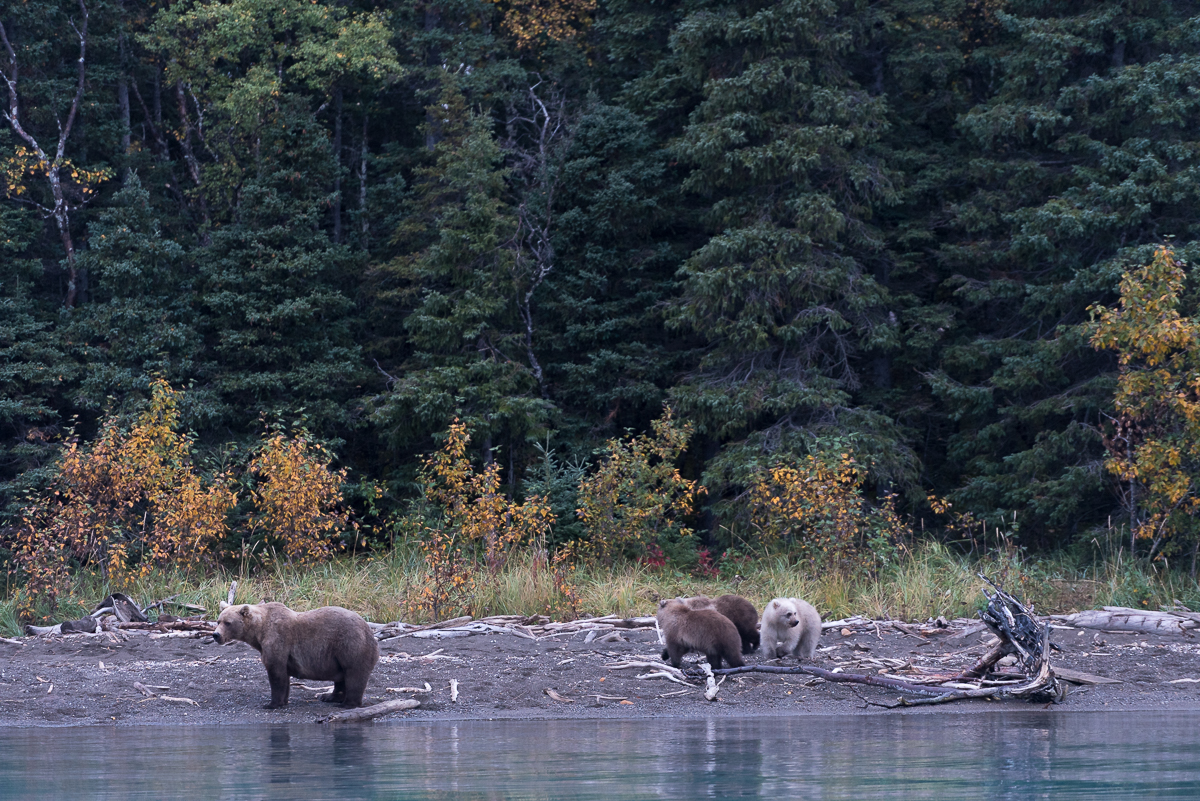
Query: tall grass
x,y
929,581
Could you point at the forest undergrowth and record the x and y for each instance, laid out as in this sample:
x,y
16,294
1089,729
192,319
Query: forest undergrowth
x,y
932,580
131,512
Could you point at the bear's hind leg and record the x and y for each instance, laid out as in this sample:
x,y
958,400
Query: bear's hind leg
x,y
354,685
769,641
336,695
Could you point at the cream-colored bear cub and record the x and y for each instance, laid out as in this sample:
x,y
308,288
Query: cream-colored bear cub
x,y
790,626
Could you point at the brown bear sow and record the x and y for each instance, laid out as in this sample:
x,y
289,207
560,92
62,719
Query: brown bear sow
x,y
740,612
704,630
326,644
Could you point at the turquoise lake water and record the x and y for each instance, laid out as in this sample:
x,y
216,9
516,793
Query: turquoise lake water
x,y
1024,755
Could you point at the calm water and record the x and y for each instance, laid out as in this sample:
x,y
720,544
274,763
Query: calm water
x,y
995,756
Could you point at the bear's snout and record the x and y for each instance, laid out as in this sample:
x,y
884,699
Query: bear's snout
x,y
217,637
794,622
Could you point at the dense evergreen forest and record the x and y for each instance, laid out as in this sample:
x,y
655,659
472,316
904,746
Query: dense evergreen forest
x,y
806,225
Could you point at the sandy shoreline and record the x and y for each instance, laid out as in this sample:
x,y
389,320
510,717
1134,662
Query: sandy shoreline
x,y
89,679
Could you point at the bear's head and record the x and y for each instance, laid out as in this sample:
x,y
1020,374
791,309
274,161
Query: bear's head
x,y
671,606
786,612
232,623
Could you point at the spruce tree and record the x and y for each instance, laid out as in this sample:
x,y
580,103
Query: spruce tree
x,y
784,291
456,293
1076,157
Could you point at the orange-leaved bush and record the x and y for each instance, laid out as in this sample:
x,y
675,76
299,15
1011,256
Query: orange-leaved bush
x,y
637,496
1153,440
298,498
473,505
122,505
469,517
817,507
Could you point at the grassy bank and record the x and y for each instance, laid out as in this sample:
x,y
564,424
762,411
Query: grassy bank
x,y
929,582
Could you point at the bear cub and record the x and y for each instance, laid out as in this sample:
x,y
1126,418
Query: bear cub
x,y
326,644
790,626
740,612
705,630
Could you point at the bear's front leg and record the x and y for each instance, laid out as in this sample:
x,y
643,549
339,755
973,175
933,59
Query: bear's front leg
x,y
280,686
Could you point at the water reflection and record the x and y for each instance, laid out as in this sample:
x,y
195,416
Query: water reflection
x,y
990,756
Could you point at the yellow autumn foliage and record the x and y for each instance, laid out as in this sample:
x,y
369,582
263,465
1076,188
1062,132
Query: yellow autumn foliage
x,y
528,21
126,503
1153,439
23,163
298,498
817,508
637,495
473,518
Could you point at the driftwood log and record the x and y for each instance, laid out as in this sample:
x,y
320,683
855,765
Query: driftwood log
x,y
529,627
1135,621
371,712
150,694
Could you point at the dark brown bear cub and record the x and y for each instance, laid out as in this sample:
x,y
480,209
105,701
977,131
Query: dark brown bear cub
x,y
326,644
739,610
704,630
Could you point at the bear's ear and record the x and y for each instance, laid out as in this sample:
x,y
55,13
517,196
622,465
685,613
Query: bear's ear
x,y
245,611
774,604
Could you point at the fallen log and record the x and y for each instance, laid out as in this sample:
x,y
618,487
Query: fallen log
x,y
86,625
710,683
159,604
973,628
174,625
441,634
1042,687
387,635
426,689
856,620
673,672
1078,677
1009,620
838,678
371,712
121,605
1139,621
986,662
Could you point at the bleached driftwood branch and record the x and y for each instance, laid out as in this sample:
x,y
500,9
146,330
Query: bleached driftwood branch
x,y
529,627
371,712
1140,621
150,695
